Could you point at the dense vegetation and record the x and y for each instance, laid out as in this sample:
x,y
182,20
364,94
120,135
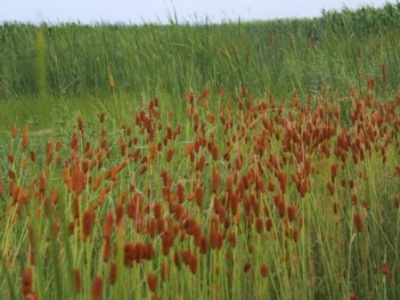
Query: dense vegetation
x,y
274,56
235,161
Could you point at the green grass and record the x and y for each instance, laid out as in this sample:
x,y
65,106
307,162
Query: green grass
x,y
273,56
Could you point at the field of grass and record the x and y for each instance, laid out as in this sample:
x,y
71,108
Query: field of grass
x,y
235,161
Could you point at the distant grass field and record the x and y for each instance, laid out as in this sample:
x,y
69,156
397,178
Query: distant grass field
x,y
236,161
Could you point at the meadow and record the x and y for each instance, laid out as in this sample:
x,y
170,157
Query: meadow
x,y
234,161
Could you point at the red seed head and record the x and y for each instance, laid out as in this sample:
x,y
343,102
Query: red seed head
x,y
354,199
108,224
14,131
157,210
88,221
33,156
396,201
203,244
214,180
113,273
164,271
268,224
166,242
357,220
295,235
232,239
331,188
335,207
264,270
291,212
199,195
246,267
152,282
259,225
80,125
334,168
353,296
282,181
215,239
27,281
78,280
97,287
234,203
119,214
201,163
107,249
188,149
102,117
180,192
193,264
78,181
25,142
385,269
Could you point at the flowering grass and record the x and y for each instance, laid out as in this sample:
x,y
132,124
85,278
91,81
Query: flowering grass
x,y
253,199
276,175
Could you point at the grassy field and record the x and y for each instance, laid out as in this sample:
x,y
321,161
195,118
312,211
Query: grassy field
x,y
235,161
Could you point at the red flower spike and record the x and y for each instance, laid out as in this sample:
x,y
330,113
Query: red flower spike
x,y
97,287
334,169
164,271
188,149
246,267
88,222
157,210
357,220
353,296
291,212
27,282
78,181
113,273
259,225
214,180
119,214
107,249
180,192
14,131
193,264
268,224
232,239
78,280
102,117
108,224
80,125
33,156
282,181
199,195
201,163
331,188
335,207
152,282
264,270
396,200
203,245
25,142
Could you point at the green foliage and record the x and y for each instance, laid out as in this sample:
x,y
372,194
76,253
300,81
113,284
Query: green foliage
x,y
275,56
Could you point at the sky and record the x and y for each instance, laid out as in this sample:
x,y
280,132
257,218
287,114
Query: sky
x,y
161,11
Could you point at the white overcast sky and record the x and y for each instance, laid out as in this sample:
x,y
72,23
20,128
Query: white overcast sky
x,y
140,11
